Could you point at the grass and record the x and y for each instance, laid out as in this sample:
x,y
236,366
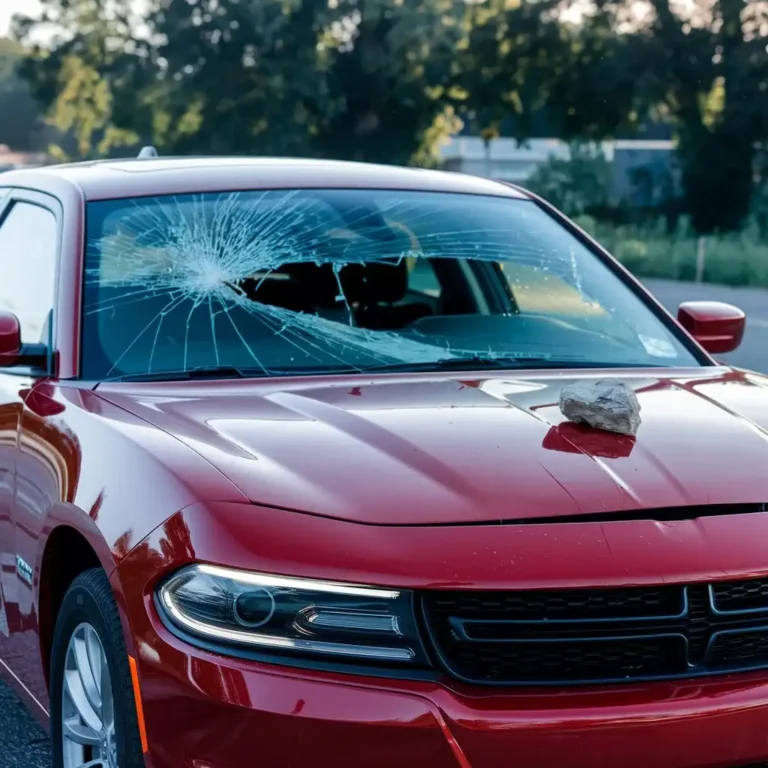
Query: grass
x,y
739,259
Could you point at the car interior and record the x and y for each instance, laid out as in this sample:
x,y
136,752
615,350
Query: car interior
x,y
382,295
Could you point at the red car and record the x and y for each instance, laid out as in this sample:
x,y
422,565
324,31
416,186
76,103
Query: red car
x,y
284,480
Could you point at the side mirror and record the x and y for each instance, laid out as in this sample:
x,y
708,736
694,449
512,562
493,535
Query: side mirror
x,y
12,351
718,327
10,339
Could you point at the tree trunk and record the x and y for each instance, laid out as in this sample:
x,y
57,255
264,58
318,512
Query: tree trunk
x,y
717,179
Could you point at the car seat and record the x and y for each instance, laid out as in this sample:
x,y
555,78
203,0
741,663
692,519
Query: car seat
x,y
376,288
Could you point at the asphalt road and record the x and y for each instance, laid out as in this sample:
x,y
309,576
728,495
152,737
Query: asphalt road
x,y
23,744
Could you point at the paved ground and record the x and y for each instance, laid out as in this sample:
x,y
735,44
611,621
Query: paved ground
x,y
23,745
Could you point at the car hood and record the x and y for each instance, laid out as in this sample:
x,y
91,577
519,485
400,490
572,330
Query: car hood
x,y
425,450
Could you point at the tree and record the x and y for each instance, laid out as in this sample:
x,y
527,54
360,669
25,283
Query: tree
x,y
523,64
19,115
707,72
508,58
90,77
350,79
359,79
717,95
390,79
238,77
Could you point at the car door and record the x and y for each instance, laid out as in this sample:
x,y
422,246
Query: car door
x,y
29,242
10,409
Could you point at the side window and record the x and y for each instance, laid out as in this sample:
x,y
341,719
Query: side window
x,y
28,246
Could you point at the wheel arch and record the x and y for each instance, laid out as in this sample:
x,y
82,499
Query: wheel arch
x,y
67,554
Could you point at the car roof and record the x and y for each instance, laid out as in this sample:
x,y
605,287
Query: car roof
x,y
141,177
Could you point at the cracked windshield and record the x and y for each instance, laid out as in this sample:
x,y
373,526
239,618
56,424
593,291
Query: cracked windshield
x,y
313,281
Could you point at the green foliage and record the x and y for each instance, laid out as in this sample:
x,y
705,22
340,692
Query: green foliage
x,y
388,84
706,70
575,184
91,78
388,80
354,79
238,77
507,61
521,58
83,107
650,251
701,67
10,53
18,112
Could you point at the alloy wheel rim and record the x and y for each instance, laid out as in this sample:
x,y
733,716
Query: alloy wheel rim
x,y
87,706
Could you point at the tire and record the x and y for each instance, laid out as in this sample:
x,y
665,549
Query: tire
x,y
88,632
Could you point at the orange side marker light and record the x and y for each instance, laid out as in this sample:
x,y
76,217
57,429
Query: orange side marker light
x,y
139,704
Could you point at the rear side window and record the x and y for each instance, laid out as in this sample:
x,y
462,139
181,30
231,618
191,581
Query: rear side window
x,y
28,244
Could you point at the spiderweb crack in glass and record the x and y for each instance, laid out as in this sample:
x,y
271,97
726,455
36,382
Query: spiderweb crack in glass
x,y
199,253
284,280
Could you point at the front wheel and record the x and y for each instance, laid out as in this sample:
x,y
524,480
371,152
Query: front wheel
x,y
93,710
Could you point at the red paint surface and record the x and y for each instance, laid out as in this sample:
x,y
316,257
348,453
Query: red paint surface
x,y
718,327
434,450
132,524
10,338
578,438
341,478
109,180
718,722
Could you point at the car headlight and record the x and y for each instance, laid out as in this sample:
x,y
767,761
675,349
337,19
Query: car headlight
x,y
292,616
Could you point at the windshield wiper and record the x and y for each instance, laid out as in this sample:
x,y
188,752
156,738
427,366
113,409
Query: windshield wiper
x,y
201,372
479,362
468,363
443,364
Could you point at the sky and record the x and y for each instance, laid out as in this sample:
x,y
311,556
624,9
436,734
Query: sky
x,y
9,7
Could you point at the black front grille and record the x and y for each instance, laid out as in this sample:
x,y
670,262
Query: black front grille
x,y
740,595
528,662
740,648
599,635
555,604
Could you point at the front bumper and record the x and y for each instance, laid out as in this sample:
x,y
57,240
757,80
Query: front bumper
x,y
203,710
207,712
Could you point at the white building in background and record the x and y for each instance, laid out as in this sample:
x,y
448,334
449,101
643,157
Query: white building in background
x,y
502,159
640,167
